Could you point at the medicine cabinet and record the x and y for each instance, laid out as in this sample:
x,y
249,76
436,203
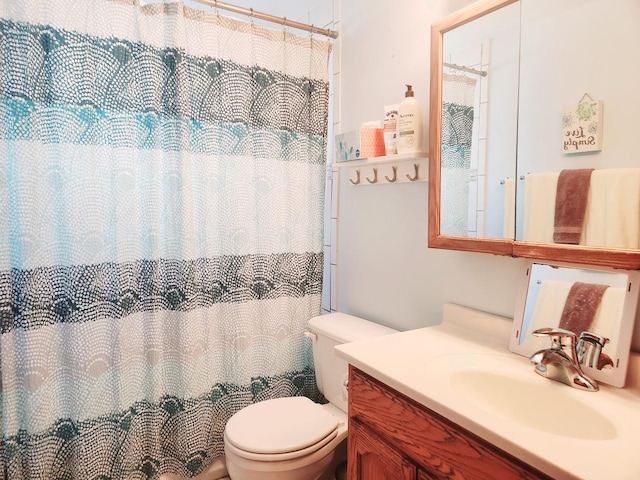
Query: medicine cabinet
x,y
503,72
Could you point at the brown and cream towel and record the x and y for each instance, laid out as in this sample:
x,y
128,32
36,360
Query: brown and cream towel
x,y
581,306
572,193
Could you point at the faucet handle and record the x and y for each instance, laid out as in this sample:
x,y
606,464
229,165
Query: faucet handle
x,y
560,338
560,361
594,338
590,349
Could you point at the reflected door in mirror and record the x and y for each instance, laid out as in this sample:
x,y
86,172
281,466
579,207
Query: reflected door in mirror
x,y
578,58
479,88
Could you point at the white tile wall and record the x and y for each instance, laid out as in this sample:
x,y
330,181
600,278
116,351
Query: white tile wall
x,y
332,197
334,288
331,194
326,292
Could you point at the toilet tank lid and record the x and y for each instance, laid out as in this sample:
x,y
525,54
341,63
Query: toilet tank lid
x,y
345,328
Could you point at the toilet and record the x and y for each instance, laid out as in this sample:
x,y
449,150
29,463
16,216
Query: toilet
x,y
294,438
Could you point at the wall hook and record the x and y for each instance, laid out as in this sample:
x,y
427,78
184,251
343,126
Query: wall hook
x,y
357,178
415,177
395,175
375,176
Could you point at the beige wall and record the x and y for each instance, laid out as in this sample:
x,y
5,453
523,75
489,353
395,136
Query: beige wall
x,y
384,270
378,265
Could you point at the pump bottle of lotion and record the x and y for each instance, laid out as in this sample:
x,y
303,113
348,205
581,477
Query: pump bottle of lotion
x,y
409,137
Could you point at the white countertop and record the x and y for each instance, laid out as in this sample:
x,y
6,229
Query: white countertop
x,y
404,367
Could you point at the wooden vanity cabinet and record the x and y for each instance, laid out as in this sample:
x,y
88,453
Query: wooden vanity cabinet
x,y
377,459
392,437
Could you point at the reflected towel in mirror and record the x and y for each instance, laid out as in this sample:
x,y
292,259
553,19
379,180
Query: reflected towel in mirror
x,y
551,301
572,194
580,306
612,217
539,206
613,210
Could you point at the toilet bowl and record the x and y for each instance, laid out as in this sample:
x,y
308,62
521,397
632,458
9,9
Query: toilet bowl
x,y
285,439
293,438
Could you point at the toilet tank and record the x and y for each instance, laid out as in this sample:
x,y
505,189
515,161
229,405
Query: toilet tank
x,y
327,331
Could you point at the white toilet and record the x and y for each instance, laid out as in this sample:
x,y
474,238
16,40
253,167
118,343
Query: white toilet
x,y
294,438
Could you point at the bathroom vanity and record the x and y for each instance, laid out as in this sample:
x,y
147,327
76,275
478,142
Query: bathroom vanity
x,y
392,436
451,401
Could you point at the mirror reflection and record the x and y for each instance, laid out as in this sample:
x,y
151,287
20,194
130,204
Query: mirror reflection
x,y
479,122
532,138
580,181
599,301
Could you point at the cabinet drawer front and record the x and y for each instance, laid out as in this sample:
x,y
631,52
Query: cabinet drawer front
x,y
438,445
374,459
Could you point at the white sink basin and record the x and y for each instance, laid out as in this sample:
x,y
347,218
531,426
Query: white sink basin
x,y
507,387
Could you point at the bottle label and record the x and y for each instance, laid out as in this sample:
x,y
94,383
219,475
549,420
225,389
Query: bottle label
x,y
405,125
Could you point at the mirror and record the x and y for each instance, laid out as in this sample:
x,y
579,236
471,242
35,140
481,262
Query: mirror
x,y
479,97
560,66
563,54
598,300
474,99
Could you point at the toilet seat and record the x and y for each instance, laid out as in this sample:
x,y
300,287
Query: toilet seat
x,y
280,429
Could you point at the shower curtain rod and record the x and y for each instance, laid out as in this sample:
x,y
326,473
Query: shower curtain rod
x,y
482,73
250,12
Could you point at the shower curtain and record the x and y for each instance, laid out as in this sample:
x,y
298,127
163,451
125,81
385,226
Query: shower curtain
x,y
161,215
458,92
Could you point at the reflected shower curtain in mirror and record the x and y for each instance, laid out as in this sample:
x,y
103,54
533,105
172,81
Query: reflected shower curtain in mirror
x,y
458,92
161,198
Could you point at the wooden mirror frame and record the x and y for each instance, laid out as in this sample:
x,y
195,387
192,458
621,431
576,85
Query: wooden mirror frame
x,y
616,258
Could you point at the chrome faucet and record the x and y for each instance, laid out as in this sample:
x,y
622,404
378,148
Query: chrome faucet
x,y
561,361
589,349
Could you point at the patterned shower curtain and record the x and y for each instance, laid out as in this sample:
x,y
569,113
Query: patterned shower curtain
x,y
161,216
458,94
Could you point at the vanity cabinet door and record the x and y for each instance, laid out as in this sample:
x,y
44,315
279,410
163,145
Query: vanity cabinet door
x,y
410,433
371,458
424,475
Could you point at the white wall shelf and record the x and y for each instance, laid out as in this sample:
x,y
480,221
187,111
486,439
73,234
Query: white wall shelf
x,y
400,168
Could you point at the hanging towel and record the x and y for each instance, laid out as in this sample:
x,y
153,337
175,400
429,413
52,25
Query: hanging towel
x,y
580,308
613,210
572,194
539,206
509,221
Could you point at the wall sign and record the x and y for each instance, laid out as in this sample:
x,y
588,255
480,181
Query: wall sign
x,y
582,126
